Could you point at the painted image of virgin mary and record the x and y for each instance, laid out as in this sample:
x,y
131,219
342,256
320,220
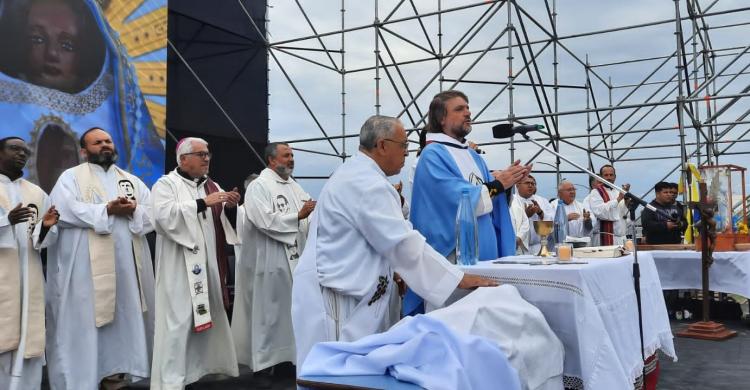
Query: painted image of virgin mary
x,y
55,44
63,71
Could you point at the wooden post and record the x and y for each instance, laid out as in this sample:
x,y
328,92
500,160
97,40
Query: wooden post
x,y
706,329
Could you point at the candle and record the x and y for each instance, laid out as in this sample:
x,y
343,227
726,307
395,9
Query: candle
x,y
564,252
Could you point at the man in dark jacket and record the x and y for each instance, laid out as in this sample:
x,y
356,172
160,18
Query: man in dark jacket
x,y
657,227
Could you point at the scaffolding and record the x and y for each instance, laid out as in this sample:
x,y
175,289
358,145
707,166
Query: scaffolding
x,y
599,103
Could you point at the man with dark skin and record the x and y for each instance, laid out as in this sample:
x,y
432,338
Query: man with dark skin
x,y
21,240
14,153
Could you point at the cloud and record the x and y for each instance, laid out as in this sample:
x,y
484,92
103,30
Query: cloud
x,y
321,88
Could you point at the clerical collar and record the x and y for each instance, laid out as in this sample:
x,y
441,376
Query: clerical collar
x,y
444,139
196,180
7,178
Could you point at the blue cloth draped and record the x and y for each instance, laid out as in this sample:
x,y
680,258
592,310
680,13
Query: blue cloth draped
x,y
420,350
438,183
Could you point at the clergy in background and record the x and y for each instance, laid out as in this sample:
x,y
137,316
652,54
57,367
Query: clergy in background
x,y
447,166
275,232
609,208
99,274
579,218
192,220
526,208
21,279
586,203
358,239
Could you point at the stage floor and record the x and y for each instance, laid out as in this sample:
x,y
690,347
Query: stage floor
x,y
702,364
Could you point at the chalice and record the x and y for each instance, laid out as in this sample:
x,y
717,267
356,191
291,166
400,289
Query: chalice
x,y
543,229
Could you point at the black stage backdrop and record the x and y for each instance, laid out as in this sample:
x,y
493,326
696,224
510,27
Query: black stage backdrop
x,y
220,44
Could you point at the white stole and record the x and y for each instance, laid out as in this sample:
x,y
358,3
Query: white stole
x,y
10,285
102,246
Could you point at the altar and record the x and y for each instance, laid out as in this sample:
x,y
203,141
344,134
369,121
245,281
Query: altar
x,y
729,273
592,309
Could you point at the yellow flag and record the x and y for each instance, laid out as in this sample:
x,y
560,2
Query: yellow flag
x,y
693,195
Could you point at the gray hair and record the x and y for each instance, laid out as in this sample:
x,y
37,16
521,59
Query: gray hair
x,y
272,149
375,128
560,186
186,146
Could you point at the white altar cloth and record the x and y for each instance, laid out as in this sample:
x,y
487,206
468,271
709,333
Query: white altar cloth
x,y
592,309
729,273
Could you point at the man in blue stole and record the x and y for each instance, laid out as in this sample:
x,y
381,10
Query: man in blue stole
x,y
446,167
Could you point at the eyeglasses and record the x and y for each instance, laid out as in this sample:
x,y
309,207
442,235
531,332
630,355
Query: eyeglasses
x,y
404,145
201,155
18,148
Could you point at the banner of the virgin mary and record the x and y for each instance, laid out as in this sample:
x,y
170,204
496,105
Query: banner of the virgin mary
x,y
64,70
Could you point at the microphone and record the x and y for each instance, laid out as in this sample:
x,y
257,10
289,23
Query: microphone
x,y
507,130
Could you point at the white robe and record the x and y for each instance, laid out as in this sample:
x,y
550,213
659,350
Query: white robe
x,y
576,227
594,222
16,372
610,211
273,239
182,356
79,354
524,225
358,238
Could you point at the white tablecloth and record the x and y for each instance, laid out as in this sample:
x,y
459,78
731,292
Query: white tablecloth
x,y
592,309
730,271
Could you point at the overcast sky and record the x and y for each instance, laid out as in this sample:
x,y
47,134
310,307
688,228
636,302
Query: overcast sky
x,y
321,87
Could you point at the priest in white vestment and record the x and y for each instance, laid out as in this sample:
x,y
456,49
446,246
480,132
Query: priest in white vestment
x,y
358,239
274,236
586,203
100,282
192,336
580,221
23,206
609,208
526,208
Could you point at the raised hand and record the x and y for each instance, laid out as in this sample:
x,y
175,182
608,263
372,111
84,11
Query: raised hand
x,y
306,209
512,174
50,217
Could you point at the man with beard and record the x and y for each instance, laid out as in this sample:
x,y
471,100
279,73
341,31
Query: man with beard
x,y
609,207
192,215
21,278
275,231
447,166
99,276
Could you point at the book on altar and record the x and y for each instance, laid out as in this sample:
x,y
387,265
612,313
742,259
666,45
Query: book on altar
x,y
600,251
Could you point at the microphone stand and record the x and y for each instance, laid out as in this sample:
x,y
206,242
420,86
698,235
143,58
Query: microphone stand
x,y
636,266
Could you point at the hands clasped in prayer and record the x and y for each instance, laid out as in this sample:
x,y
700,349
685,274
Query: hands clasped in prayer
x,y
575,216
20,214
121,206
533,208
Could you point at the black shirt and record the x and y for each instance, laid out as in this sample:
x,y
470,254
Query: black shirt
x,y
655,224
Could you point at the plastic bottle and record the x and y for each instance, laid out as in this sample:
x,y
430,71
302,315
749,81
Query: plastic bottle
x,y
467,240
